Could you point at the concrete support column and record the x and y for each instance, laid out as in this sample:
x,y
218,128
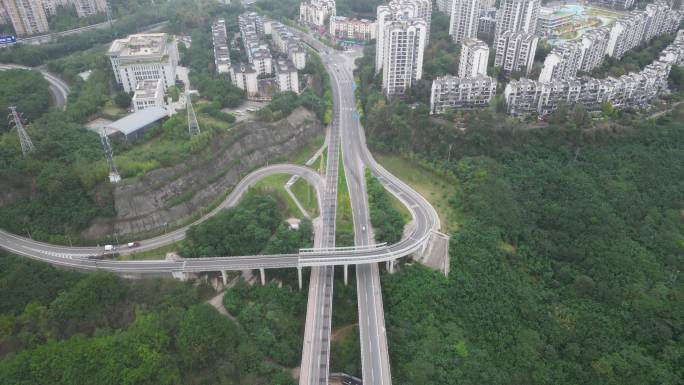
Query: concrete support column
x,y
346,274
391,267
263,275
299,276
225,277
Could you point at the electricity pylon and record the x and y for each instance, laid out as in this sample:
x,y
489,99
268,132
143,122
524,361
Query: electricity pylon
x,y
26,144
114,176
193,125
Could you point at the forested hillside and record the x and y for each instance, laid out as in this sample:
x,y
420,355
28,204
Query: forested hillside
x,y
69,328
566,268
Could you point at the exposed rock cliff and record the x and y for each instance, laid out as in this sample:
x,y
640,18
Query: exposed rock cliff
x,y
169,196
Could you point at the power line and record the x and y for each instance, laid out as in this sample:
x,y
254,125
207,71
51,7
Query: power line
x,y
26,144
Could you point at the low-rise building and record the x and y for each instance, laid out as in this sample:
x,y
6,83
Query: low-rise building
x,y
148,94
286,76
286,42
244,76
451,92
134,126
614,4
343,27
221,49
552,20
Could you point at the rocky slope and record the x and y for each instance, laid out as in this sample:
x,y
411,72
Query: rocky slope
x,y
170,196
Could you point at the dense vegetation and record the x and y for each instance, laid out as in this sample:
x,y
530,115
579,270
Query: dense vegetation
x,y
60,327
27,90
273,317
388,224
66,165
564,268
253,227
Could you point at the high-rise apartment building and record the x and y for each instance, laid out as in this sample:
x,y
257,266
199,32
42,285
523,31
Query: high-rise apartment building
x,y
444,6
562,62
144,57
316,12
465,16
404,42
28,17
594,43
641,26
517,16
515,52
399,10
474,58
89,7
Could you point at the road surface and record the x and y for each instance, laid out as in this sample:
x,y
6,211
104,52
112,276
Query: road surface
x,y
58,87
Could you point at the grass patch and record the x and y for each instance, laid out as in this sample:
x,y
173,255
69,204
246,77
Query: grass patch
x,y
322,161
344,234
306,152
159,253
306,195
274,186
434,187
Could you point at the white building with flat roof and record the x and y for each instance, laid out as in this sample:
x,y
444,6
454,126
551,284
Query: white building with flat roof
x,y
399,10
354,29
286,76
451,92
140,57
404,42
221,49
244,77
148,94
474,58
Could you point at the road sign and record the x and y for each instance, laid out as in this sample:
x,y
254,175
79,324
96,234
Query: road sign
x,y
7,40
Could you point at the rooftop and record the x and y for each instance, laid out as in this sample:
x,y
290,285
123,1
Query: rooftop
x,y
147,88
137,120
151,44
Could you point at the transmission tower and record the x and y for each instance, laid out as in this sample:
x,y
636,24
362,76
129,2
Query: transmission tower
x,y
26,144
193,125
109,154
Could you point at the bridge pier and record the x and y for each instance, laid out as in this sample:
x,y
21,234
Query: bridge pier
x,y
262,272
225,277
346,274
389,265
299,276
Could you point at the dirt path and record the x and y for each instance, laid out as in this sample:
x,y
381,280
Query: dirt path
x,y
341,332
